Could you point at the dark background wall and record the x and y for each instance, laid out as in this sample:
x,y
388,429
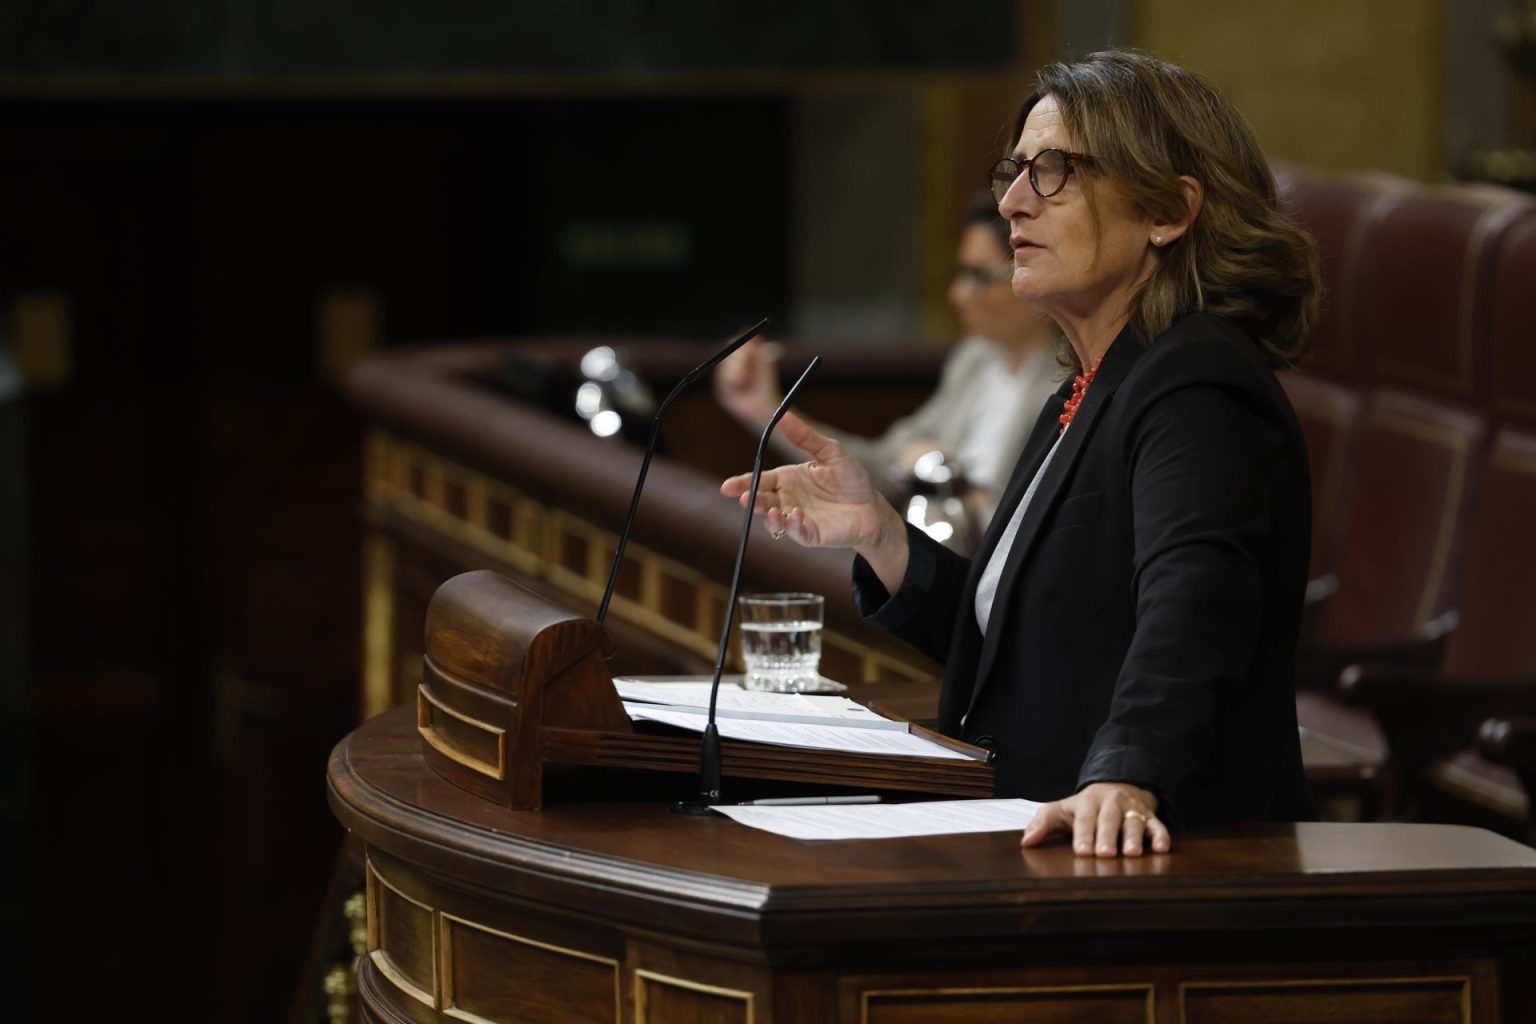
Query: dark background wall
x,y
418,36
208,210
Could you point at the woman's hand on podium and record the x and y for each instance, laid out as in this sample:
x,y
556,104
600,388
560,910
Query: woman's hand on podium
x,y
1103,817
827,502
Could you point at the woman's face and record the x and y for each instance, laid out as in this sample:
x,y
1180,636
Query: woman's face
x,y
1059,261
984,303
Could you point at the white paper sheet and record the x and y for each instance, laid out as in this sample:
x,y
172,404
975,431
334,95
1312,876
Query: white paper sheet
x,y
735,702
887,821
799,734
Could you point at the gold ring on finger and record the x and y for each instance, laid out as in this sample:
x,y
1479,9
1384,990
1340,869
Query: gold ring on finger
x,y
1137,815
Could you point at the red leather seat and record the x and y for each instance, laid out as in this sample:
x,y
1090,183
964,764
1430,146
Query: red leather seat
x,y
1414,469
1496,599
1413,464
1421,292
1426,340
1511,332
1489,666
1328,414
1338,213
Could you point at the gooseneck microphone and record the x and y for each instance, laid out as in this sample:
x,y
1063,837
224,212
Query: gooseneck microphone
x,y
650,449
709,746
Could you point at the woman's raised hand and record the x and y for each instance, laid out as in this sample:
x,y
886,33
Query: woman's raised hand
x,y
827,502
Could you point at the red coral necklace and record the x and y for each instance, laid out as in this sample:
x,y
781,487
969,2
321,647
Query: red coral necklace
x,y
1079,389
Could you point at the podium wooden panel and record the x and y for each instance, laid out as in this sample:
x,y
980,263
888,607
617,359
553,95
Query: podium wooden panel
x,y
588,911
513,683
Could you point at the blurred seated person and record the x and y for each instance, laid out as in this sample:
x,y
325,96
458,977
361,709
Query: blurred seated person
x,y
994,384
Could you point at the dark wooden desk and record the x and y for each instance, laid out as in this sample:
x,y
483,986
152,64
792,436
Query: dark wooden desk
x,y
625,912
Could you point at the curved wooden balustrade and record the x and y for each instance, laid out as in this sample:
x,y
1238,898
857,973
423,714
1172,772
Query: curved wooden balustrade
x,y
460,476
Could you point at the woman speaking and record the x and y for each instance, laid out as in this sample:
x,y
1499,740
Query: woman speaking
x,y
1124,639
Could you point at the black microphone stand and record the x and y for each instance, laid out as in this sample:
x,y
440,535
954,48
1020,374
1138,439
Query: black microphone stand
x,y
709,745
650,449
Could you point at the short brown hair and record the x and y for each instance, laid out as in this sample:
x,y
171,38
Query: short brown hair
x,y
1145,122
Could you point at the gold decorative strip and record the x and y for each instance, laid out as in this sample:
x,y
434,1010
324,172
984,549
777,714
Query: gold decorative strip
x,y
42,338
391,488
376,467
652,567
875,663
378,623
945,992
427,705
436,490
942,133
1464,980
450,1009
477,504
376,955
350,322
642,976
540,538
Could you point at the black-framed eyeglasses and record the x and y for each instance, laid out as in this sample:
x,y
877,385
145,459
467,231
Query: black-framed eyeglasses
x,y
1048,172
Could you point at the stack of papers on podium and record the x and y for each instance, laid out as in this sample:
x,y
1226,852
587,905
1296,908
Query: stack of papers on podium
x,y
782,719
886,821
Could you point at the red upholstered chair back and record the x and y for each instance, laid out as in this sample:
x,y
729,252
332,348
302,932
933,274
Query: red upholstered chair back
x,y
1338,213
1511,333
1414,466
1421,299
1328,414
1496,635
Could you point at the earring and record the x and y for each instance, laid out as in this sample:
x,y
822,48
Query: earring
x,y
1157,239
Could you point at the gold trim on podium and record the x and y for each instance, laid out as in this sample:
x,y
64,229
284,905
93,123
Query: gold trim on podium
x,y
642,976
451,1010
1464,980
501,523
378,623
1148,990
427,705
379,956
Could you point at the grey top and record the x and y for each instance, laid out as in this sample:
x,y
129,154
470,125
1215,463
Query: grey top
x,y
967,411
986,586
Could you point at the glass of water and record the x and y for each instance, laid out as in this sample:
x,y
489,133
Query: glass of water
x,y
781,642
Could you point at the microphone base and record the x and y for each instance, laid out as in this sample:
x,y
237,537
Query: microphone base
x,y
693,808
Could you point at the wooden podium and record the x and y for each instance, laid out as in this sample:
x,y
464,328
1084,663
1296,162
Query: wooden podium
x,y
483,907
512,683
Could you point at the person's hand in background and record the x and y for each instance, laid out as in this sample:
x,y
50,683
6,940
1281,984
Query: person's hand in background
x,y
747,383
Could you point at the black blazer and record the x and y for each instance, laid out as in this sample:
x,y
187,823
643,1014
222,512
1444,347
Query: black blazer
x,y
1144,628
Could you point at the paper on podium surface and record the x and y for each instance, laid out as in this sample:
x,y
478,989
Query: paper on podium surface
x,y
692,692
886,821
849,739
